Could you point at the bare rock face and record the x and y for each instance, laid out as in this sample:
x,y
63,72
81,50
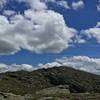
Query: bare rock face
x,y
61,89
10,96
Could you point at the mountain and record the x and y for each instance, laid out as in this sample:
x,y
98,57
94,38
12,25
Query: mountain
x,y
57,80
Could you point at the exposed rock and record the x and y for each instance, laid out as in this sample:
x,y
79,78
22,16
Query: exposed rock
x,y
10,96
50,84
61,89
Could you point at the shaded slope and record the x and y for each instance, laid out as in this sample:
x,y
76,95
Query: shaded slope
x,y
23,82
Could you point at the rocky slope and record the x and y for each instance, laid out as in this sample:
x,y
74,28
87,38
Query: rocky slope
x,y
58,82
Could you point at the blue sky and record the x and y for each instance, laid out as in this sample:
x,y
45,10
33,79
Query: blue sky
x,y
80,19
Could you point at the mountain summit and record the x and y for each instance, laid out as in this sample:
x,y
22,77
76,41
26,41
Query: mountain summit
x,y
57,79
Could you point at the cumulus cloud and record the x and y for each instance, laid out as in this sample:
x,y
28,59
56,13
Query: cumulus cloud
x,y
14,67
9,13
93,32
35,4
77,5
62,3
38,30
33,33
84,63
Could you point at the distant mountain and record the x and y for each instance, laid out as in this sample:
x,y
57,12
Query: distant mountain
x,y
23,82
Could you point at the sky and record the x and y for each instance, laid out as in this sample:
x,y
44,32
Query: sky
x,y
40,31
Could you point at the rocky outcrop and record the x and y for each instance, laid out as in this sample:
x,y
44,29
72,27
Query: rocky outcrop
x,y
10,96
61,89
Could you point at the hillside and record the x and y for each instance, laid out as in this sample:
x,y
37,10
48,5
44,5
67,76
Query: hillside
x,y
64,79
23,82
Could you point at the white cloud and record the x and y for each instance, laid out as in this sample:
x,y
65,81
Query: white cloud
x,y
79,39
84,63
78,5
98,6
41,4
63,3
38,30
35,4
78,62
49,65
38,37
12,68
93,32
2,3
9,13
33,33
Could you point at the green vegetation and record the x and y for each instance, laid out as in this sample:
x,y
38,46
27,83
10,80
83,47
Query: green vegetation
x,y
57,82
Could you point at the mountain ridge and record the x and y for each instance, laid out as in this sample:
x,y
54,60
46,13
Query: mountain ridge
x,y
23,82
